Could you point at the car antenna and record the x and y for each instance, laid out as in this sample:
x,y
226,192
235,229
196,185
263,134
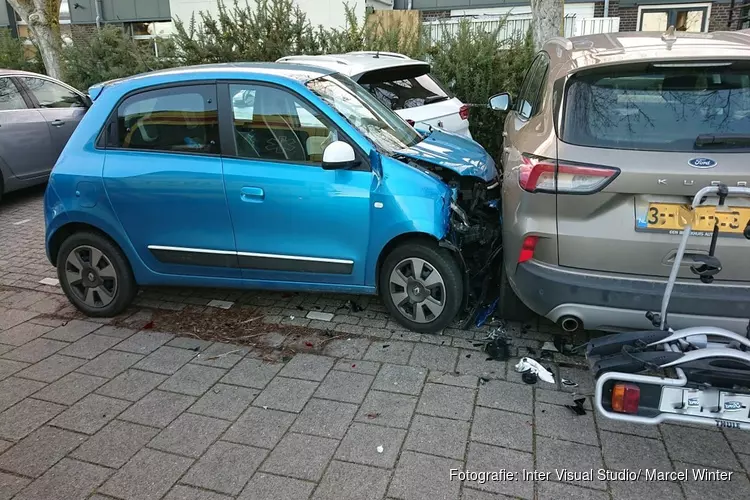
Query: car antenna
x,y
377,54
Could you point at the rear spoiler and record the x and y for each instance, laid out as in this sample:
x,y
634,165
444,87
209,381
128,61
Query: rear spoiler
x,y
96,90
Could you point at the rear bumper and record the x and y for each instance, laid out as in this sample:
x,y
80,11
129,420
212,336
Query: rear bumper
x,y
612,302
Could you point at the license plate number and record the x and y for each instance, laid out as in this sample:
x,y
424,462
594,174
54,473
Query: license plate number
x,y
670,218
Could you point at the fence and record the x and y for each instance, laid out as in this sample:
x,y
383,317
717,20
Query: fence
x,y
514,26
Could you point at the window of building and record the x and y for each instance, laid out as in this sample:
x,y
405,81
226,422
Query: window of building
x,y
684,17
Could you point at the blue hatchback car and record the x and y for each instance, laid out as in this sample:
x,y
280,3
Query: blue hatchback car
x,y
272,177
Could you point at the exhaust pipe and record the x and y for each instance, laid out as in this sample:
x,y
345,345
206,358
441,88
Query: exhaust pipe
x,y
570,324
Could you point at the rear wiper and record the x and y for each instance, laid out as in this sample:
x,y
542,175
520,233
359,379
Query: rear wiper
x,y
725,139
435,98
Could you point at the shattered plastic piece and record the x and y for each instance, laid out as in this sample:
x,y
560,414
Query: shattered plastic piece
x,y
531,365
309,344
568,383
549,346
291,317
352,306
386,345
483,380
577,406
486,313
148,326
265,407
529,377
380,449
373,415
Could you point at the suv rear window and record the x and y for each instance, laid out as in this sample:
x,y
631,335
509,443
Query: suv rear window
x,y
659,106
404,87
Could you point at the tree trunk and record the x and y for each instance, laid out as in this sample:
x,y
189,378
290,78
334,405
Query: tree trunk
x,y
43,19
547,20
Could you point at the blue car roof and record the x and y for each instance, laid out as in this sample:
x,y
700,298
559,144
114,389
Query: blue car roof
x,y
299,72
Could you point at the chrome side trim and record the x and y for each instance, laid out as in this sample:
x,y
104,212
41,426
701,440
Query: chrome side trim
x,y
294,257
193,250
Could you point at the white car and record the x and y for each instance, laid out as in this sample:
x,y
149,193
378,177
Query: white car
x,y
403,84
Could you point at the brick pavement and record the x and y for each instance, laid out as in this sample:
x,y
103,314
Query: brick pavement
x,y
90,410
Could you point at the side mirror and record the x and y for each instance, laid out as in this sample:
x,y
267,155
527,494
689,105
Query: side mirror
x,y
339,156
500,102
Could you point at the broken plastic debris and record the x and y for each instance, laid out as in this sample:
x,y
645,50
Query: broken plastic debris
x,y
291,317
265,407
380,449
549,346
496,344
535,368
568,383
309,344
352,306
148,326
486,312
373,415
577,406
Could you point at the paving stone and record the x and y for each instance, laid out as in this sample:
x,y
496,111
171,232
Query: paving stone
x,y
503,428
90,346
738,440
23,418
552,454
13,390
115,444
434,357
23,333
401,379
144,342
147,476
189,435
259,427
307,367
90,414
737,487
630,452
325,418
225,467
190,343
5,348
67,480
344,386
744,459
424,477
269,487
638,490
131,385
49,321
553,489
452,378
471,362
392,351
224,401
10,485
286,394
71,388
506,396
12,317
181,492
39,451
438,436
192,379
357,366
116,332
251,372
389,409
72,330
165,360
560,423
221,355
8,368
483,457
362,441
52,368
4,445
110,364
36,350
682,443
609,424
337,483
446,401
300,456
350,348
158,408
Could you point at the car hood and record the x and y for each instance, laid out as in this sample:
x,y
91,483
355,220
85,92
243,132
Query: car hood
x,y
451,151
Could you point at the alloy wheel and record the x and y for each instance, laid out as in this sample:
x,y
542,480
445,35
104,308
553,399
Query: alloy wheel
x,y
417,289
91,276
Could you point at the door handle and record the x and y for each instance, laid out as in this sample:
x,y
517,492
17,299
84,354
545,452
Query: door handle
x,y
252,194
57,123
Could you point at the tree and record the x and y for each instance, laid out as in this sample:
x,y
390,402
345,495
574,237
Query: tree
x,y
43,19
547,20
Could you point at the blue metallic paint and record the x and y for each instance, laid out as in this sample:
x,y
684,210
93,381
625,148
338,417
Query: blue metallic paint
x,y
140,196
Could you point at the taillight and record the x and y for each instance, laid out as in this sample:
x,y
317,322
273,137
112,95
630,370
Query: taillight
x,y
625,398
538,176
527,249
464,112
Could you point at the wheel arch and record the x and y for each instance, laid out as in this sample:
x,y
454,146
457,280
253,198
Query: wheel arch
x,y
65,231
396,242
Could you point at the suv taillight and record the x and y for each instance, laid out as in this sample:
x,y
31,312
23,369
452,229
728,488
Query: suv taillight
x,y
626,398
537,175
464,112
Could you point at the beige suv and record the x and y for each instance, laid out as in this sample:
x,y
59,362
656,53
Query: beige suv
x,y
609,135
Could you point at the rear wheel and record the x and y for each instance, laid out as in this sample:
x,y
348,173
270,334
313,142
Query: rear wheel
x,y
422,286
95,275
510,306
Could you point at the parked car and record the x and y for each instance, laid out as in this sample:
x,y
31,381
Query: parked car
x,y
271,176
37,116
609,137
403,84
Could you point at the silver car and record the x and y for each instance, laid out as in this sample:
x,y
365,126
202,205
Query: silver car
x,y
37,116
608,140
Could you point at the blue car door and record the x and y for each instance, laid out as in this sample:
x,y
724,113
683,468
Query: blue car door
x,y
163,175
293,220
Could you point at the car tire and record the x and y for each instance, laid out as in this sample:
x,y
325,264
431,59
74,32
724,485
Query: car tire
x,y
422,286
509,306
103,288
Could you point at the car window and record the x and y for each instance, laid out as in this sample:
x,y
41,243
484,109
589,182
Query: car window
x,y
52,95
659,107
531,91
273,124
177,119
408,92
10,97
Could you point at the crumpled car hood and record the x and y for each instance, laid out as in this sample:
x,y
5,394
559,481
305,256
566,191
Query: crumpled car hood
x,y
451,151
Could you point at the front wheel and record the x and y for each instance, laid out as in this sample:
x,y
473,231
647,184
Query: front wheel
x,y
422,286
95,275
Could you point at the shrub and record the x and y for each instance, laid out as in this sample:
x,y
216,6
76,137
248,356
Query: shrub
x,y
13,54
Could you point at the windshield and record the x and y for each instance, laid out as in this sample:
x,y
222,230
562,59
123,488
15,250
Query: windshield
x,y
388,131
659,106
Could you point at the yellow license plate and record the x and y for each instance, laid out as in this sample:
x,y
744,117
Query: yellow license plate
x,y
674,217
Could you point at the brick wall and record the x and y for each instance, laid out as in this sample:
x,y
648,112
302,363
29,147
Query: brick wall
x,y
719,16
628,18
614,9
434,15
79,32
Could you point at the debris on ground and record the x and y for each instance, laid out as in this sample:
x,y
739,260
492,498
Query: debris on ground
x,y
352,306
534,369
568,383
577,406
373,415
380,449
222,355
485,313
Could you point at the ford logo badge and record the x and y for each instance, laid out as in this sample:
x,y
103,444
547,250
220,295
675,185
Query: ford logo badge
x,y
702,163
732,405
